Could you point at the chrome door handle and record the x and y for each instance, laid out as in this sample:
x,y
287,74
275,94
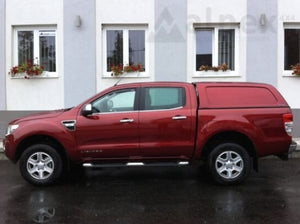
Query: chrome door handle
x,y
179,118
126,120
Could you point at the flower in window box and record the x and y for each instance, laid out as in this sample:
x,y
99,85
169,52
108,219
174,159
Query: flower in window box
x,y
204,68
215,68
223,67
296,69
29,68
133,68
117,70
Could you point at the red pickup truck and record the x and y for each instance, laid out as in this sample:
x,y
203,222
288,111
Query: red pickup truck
x,y
227,125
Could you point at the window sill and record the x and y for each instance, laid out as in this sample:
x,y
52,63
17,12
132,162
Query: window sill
x,y
289,74
126,75
44,75
213,74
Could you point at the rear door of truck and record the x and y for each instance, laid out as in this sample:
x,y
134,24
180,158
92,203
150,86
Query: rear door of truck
x,y
167,121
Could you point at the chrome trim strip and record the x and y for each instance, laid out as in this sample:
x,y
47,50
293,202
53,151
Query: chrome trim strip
x,y
132,164
137,111
115,112
69,124
135,164
183,163
175,108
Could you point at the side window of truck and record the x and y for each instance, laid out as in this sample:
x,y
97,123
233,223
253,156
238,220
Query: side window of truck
x,y
161,98
117,101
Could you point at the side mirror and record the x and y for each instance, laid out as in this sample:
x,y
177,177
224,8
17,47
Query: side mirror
x,y
87,110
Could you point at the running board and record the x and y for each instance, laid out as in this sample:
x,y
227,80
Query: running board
x,y
131,164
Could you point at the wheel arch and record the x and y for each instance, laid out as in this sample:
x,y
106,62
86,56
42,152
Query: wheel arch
x,y
233,137
42,139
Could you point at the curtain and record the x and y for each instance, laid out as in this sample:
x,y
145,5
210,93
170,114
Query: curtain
x,y
48,50
137,47
114,46
25,46
226,47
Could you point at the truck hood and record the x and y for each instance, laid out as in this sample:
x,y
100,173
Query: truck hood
x,y
42,115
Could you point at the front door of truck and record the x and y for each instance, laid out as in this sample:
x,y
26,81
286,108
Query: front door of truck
x,y
166,126
111,131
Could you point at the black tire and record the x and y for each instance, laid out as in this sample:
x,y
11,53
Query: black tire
x,y
41,165
229,163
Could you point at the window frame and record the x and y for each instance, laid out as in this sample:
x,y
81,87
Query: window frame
x,y
143,95
215,49
290,27
36,46
135,103
125,30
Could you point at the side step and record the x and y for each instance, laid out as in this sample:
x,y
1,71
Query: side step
x,y
131,164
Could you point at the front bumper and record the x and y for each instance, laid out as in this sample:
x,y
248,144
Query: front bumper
x,y
9,147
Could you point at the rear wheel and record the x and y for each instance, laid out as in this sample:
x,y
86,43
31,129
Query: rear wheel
x,y
41,164
229,163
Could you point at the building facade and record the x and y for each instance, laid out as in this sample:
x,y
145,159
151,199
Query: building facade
x,y
78,42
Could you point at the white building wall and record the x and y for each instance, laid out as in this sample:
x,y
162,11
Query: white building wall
x,y
2,57
288,85
48,93
125,12
34,94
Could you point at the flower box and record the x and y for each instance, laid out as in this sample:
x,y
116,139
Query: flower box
x,y
26,70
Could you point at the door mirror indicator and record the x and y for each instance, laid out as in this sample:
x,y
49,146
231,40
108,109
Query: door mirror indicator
x,y
87,110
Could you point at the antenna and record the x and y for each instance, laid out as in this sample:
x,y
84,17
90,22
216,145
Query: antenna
x,y
121,77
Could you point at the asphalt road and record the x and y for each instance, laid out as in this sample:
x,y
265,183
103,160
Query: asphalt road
x,y
154,195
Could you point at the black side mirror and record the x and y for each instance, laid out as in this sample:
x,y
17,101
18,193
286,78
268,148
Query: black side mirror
x,y
87,110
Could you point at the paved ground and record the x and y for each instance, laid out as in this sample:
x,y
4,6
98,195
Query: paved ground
x,y
154,195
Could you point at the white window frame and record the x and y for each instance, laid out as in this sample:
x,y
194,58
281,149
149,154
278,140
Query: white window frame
x,y
36,47
289,26
125,30
215,50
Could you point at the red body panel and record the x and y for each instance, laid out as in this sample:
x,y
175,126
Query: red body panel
x,y
163,137
155,135
102,136
264,127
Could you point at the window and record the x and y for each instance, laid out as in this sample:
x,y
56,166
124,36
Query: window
x,y
124,47
117,101
37,45
204,52
215,46
159,98
291,47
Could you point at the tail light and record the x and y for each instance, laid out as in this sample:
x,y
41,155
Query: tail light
x,y
288,123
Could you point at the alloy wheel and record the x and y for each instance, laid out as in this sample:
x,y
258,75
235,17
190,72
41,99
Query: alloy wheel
x,y
229,165
40,165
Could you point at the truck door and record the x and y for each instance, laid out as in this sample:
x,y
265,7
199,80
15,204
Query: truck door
x,y
112,130
166,126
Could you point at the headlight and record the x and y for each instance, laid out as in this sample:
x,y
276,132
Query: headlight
x,y
11,128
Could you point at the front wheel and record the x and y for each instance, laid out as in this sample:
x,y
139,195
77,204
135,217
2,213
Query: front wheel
x,y
40,164
229,163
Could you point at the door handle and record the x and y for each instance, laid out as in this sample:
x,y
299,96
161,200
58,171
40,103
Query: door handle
x,y
179,117
126,120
